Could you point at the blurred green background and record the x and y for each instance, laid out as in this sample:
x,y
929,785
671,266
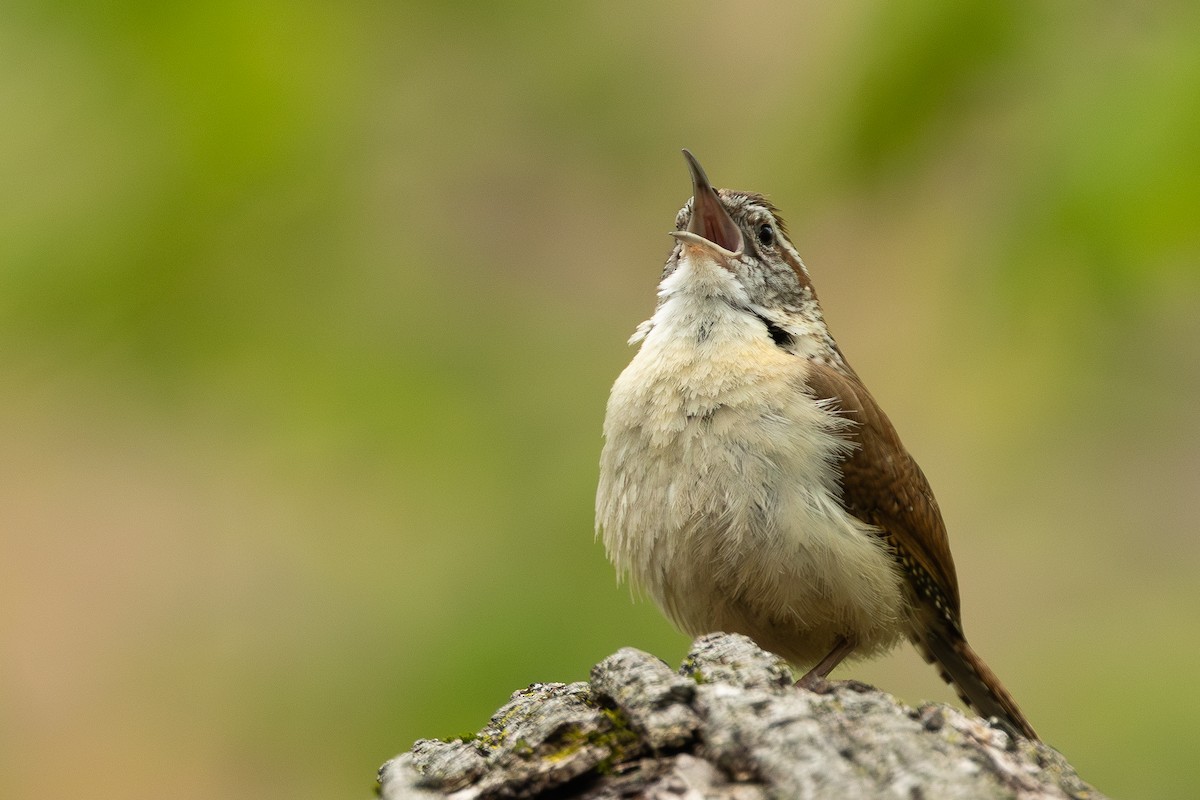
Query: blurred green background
x,y
309,312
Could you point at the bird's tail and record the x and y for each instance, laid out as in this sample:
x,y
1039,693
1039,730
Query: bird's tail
x,y
973,679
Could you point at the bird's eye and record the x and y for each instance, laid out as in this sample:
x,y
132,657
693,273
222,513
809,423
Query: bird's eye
x,y
766,234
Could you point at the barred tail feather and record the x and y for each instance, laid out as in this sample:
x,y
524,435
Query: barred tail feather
x,y
973,680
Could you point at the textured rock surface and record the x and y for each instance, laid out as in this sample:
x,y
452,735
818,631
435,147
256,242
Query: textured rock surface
x,y
729,724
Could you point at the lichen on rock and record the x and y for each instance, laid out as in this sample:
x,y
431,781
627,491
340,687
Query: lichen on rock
x,y
728,724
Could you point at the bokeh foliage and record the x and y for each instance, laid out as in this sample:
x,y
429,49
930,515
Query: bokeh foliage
x,y
308,314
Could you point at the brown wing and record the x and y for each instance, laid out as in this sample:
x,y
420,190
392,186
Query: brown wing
x,y
883,486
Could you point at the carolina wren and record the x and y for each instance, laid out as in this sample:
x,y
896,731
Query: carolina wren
x,y
750,483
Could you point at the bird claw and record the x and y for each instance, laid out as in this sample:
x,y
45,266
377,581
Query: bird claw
x,y
818,685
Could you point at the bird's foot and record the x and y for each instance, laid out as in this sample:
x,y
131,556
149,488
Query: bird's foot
x,y
819,685
815,684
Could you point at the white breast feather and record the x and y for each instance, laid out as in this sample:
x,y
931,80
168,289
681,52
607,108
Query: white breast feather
x,y
718,491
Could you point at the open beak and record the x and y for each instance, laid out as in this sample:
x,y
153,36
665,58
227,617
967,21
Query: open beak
x,y
711,225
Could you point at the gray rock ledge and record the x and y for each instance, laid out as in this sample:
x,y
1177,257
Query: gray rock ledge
x,y
728,724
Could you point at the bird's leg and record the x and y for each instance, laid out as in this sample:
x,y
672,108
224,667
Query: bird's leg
x,y
814,679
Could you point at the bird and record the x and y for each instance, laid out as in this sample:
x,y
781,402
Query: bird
x,y
750,483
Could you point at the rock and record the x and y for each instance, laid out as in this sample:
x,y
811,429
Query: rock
x,y
656,700
731,725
